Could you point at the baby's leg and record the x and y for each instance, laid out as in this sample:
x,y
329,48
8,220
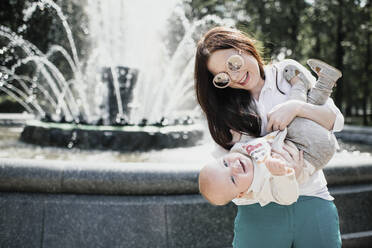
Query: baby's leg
x,y
327,78
300,83
317,142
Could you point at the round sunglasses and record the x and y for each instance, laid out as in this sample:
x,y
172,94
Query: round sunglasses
x,y
234,63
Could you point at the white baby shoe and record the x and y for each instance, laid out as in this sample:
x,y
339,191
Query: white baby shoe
x,y
323,69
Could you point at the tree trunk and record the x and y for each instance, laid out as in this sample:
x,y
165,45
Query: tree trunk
x,y
339,55
317,33
367,77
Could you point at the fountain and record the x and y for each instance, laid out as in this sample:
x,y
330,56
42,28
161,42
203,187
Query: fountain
x,y
92,201
124,115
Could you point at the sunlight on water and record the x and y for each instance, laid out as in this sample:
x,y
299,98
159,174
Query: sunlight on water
x,y
125,33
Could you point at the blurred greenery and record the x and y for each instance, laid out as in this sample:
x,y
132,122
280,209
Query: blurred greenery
x,y
336,31
44,29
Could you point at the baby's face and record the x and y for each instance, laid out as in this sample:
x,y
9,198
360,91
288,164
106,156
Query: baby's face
x,y
232,175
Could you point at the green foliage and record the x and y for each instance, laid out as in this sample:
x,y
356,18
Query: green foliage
x,y
44,29
336,31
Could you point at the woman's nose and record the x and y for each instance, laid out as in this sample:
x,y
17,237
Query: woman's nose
x,y
235,76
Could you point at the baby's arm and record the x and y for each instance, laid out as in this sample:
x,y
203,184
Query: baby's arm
x,y
283,184
277,166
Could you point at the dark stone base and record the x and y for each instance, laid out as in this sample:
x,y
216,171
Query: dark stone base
x,y
356,134
354,204
48,220
93,204
127,139
182,221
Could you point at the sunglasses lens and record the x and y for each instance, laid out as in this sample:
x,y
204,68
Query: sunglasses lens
x,y
235,63
221,80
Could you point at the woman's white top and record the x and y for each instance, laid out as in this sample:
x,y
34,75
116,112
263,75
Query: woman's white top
x,y
269,97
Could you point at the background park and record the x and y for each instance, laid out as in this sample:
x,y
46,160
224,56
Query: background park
x,y
101,138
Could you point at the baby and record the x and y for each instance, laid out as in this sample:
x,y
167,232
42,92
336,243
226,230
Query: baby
x,y
237,177
250,172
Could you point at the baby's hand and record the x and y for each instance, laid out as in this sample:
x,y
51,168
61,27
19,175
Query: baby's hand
x,y
277,166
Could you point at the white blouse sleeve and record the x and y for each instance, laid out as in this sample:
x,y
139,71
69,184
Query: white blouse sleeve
x,y
339,122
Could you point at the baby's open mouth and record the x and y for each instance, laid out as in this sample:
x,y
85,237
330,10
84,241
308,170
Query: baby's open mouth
x,y
242,165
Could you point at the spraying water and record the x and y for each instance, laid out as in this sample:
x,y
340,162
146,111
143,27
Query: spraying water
x,y
123,33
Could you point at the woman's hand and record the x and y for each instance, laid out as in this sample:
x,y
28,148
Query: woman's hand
x,y
293,157
282,114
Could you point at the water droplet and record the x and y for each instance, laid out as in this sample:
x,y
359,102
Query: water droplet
x,y
74,136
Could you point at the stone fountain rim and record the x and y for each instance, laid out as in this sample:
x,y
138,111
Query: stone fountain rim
x,y
85,177
126,128
118,138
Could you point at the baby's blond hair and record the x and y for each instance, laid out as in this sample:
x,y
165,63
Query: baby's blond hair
x,y
207,189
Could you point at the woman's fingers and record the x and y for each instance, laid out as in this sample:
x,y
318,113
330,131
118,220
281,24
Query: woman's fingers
x,y
301,157
276,155
291,144
292,150
282,114
270,124
284,155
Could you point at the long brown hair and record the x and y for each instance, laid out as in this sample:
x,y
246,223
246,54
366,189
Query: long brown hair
x,y
226,108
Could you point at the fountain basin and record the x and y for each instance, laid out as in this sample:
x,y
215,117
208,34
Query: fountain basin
x,y
93,204
117,138
357,134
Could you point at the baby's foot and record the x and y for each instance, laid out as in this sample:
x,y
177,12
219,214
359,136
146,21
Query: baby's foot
x,y
293,75
324,69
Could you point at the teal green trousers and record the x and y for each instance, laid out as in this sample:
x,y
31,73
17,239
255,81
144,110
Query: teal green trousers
x,y
309,222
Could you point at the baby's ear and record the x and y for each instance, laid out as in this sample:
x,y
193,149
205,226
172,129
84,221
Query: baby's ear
x,y
240,195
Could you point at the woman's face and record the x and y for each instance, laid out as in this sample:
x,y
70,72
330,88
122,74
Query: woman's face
x,y
248,77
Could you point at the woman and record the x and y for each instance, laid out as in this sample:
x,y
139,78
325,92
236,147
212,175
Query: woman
x,y
239,94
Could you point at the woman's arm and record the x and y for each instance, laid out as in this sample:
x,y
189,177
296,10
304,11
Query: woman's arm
x,y
282,114
321,114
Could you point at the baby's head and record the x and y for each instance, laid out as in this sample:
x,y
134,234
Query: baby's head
x,y
226,178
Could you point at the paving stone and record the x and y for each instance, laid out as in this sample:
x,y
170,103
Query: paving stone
x,y
21,222
104,222
194,223
354,206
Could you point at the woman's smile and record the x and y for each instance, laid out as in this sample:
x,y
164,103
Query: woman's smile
x,y
244,81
